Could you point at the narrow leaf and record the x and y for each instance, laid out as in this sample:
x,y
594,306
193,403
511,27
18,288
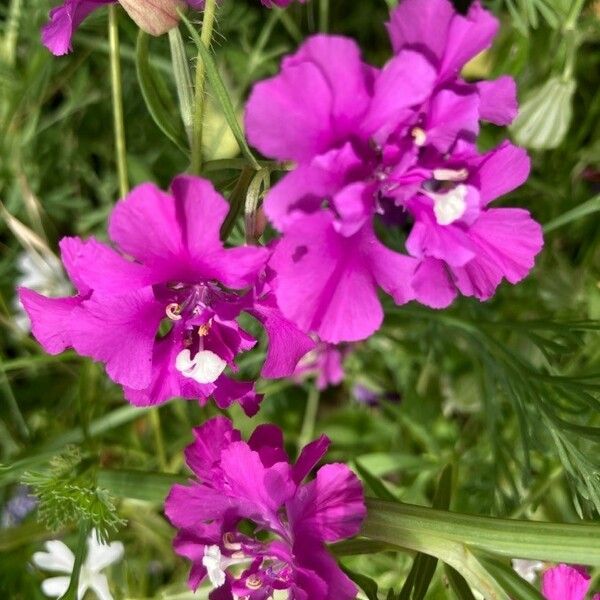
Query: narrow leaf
x,y
154,94
366,584
458,584
377,486
220,92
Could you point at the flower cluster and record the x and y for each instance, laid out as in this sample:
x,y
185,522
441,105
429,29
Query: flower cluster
x,y
250,509
392,148
160,309
153,16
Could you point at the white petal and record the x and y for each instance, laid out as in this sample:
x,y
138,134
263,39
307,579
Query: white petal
x,y
56,558
99,585
450,206
184,362
99,556
212,562
206,367
55,587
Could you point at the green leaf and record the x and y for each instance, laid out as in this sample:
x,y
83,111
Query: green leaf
x,y
423,569
377,486
458,584
366,584
579,212
516,586
424,529
220,92
156,97
138,485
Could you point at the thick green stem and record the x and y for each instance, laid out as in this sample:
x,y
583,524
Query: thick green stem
x,y
425,529
117,98
210,9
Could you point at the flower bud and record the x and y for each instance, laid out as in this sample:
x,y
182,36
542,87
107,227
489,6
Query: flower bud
x,y
154,16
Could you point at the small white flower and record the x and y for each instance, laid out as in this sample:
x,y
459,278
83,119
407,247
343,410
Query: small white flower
x,y
59,559
43,274
527,569
213,561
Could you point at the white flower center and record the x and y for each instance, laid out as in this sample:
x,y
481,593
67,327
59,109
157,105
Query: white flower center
x,y
450,206
205,367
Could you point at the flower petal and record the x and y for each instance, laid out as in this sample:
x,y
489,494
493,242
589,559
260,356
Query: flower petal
x,y
51,319
58,557
564,582
64,20
498,100
102,324
324,283
331,507
55,587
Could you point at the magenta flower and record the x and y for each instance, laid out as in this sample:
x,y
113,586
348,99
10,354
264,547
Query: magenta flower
x,y
254,481
160,310
153,16
392,147
565,582
325,363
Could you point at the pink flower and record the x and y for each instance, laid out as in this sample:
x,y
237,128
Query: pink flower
x,y
565,582
240,481
325,362
392,148
153,16
160,310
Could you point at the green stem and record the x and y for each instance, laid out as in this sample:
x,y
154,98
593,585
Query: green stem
x,y
425,529
13,405
210,9
158,439
324,15
117,98
310,418
71,593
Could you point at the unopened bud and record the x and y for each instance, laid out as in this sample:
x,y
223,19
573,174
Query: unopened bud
x,y
154,16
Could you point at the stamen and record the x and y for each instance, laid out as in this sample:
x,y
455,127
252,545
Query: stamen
x,y
173,311
254,582
419,136
204,329
451,174
229,543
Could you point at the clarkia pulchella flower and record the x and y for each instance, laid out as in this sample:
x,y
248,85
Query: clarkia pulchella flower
x,y
160,309
283,551
392,148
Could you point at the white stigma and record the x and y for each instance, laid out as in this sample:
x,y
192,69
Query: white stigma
x,y
212,560
451,206
205,367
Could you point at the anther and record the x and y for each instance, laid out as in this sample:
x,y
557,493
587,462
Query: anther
x,y
229,543
173,311
254,582
203,331
419,136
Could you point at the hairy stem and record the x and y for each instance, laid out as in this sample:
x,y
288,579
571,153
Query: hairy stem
x,y
210,9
